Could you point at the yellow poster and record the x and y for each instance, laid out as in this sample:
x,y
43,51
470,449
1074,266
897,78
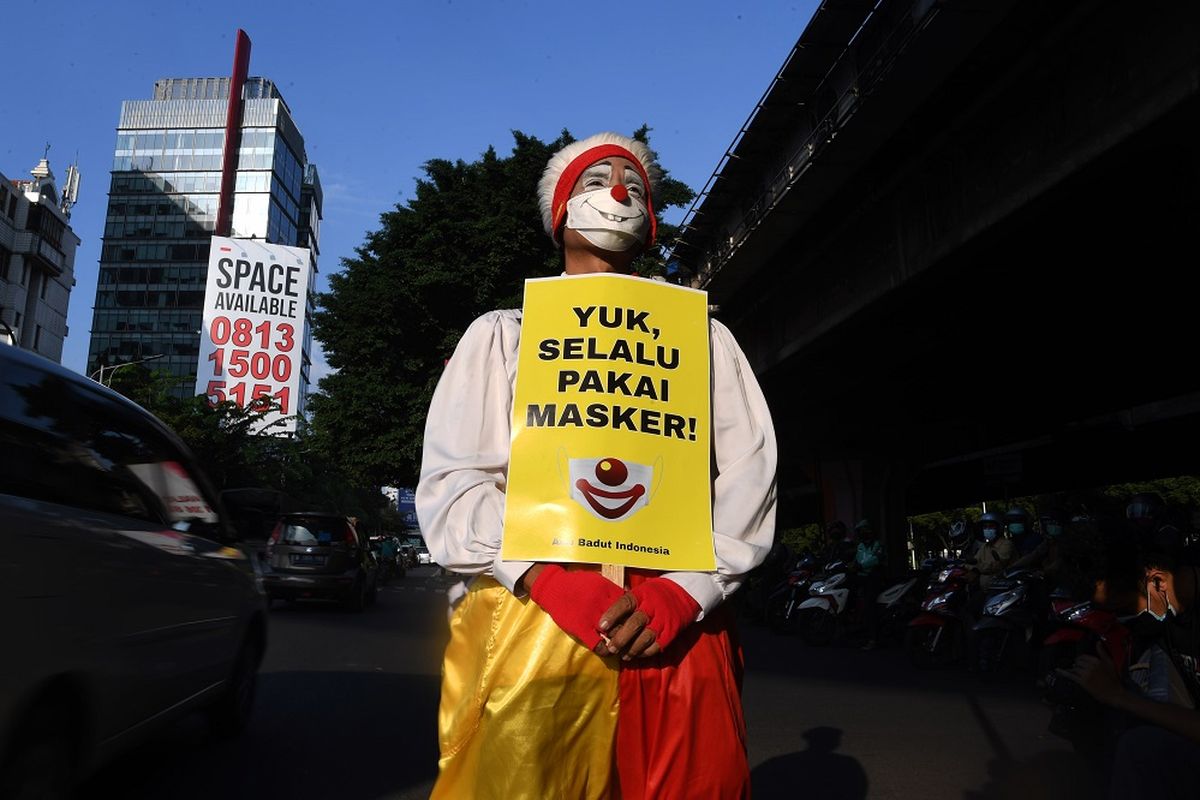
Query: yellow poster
x,y
610,450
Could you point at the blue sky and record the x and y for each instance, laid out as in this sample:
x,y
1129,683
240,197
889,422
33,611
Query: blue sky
x,y
377,88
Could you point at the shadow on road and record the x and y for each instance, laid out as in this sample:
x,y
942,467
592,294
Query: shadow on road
x,y
349,735
817,773
1051,775
1058,774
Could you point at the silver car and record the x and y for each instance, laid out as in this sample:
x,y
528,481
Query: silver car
x,y
123,598
320,555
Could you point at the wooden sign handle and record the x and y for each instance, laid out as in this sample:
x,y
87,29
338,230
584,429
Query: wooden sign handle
x,y
614,572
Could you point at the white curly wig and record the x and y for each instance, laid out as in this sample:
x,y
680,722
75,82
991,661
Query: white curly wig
x,y
559,162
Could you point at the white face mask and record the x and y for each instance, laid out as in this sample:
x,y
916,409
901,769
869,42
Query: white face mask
x,y
606,222
1163,616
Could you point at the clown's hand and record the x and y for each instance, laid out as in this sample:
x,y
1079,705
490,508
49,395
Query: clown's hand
x,y
575,600
645,620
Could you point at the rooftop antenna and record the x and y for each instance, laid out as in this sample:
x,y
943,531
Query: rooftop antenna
x,y
70,190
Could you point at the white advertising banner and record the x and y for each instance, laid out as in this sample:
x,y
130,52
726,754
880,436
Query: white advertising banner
x,y
251,345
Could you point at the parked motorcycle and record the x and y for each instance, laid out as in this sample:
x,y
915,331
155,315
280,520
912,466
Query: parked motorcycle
x,y
1013,613
1077,628
829,600
899,604
783,604
937,635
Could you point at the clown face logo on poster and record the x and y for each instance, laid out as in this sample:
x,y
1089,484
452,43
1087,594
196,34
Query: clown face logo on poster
x,y
611,489
610,450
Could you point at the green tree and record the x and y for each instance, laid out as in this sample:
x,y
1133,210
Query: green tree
x,y
226,439
462,246
804,539
1181,494
230,446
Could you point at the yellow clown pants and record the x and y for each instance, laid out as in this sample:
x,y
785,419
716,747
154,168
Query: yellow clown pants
x,y
526,711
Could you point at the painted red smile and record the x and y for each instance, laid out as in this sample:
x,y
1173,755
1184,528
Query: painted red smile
x,y
594,495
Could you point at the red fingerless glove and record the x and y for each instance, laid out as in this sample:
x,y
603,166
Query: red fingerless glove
x,y
669,607
575,600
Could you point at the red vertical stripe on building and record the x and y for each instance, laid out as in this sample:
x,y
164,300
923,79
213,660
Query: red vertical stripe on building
x,y
233,132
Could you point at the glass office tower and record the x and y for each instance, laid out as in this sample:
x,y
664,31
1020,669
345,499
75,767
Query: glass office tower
x,y
162,209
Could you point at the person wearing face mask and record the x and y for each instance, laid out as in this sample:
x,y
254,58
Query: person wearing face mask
x,y
868,564
1158,754
994,553
1019,529
1045,556
556,681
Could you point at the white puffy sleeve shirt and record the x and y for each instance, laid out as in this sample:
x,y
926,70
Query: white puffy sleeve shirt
x,y
464,468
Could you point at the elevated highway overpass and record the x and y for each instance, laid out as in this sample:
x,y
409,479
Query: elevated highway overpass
x,y
958,241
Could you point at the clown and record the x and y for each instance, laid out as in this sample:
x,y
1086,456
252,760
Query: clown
x,y
556,681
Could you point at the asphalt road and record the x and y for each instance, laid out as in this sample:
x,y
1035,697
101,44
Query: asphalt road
x,y
347,709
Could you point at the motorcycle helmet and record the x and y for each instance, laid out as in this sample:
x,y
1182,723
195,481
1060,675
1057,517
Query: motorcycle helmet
x,y
989,526
1016,521
958,534
835,530
863,529
1145,509
1053,521
1151,526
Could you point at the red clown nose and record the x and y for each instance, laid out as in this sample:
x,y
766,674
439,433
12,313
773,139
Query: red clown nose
x,y
620,193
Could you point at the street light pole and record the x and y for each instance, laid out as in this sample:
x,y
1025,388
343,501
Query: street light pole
x,y
116,367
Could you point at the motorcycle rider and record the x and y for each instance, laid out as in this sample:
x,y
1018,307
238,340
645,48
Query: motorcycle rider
x,y
1158,755
991,558
1020,530
958,538
868,562
1150,521
1045,557
838,544
994,552
388,551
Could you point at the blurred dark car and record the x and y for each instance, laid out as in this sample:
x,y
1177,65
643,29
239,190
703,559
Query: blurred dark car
x,y
320,556
124,599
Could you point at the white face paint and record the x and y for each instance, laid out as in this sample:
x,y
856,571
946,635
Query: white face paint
x,y
603,220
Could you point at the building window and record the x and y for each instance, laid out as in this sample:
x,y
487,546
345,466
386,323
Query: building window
x,y
43,222
37,337
45,284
